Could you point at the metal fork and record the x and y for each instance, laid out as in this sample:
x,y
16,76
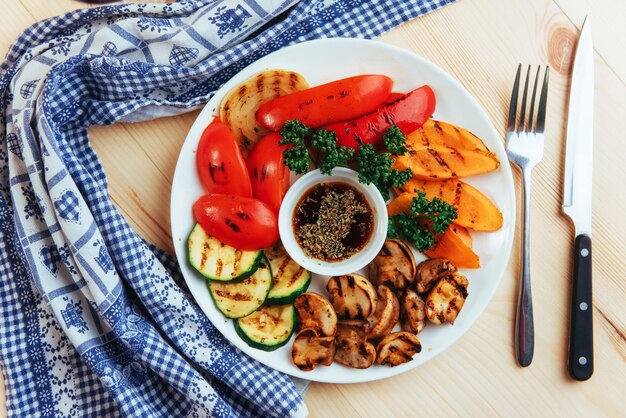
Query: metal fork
x,y
524,147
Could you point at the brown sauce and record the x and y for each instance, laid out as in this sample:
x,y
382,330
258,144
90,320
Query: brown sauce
x,y
332,221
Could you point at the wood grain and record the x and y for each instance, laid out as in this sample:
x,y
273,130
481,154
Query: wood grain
x,y
480,42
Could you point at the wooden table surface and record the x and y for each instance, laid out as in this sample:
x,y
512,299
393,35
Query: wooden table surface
x,y
480,42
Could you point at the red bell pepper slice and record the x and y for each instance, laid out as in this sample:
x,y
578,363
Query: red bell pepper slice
x,y
327,103
408,113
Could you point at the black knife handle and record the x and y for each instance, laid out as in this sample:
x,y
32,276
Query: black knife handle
x,y
581,325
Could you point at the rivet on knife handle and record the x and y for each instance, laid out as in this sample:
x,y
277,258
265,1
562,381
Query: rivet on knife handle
x,y
581,326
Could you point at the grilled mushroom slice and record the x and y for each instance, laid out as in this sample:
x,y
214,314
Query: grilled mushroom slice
x,y
429,271
397,348
386,315
352,296
310,350
352,348
412,312
315,311
446,299
393,266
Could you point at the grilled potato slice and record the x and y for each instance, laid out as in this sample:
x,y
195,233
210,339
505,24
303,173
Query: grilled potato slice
x,y
352,296
393,266
315,312
431,270
239,106
310,350
352,349
412,312
397,348
386,315
446,299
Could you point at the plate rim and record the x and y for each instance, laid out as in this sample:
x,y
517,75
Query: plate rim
x,y
508,196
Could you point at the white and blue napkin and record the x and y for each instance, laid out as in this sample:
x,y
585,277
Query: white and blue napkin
x,y
94,321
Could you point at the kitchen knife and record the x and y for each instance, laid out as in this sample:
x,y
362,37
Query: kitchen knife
x,y
577,204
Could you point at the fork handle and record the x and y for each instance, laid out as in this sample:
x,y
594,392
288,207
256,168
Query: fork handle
x,y
581,326
524,324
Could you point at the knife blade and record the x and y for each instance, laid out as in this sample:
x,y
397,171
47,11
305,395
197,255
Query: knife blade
x,y
577,184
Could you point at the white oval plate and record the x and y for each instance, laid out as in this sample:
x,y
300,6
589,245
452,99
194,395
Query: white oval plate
x,y
321,61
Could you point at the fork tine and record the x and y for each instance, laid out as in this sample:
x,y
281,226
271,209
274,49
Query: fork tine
x,y
541,111
532,102
522,117
510,126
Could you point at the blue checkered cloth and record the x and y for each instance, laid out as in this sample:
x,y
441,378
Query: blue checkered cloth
x,y
94,321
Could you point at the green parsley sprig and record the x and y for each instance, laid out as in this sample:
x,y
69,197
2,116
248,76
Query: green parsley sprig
x,y
425,219
373,167
297,157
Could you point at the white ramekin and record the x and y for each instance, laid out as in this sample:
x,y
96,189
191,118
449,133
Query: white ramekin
x,y
356,261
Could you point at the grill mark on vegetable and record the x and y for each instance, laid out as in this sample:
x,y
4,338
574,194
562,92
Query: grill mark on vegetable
x,y
236,296
206,247
438,128
458,154
238,255
263,173
461,289
255,172
243,215
216,168
457,194
243,89
437,158
232,225
281,268
293,79
219,266
424,137
260,84
343,93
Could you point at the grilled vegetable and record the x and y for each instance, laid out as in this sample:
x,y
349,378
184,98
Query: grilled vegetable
x,y
310,350
397,348
446,299
394,265
288,279
316,312
412,312
218,161
243,222
453,247
327,103
434,132
267,328
236,300
352,296
352,348
474,209
431,270
386,315
268,175
408,112
240,104
439,162
218,261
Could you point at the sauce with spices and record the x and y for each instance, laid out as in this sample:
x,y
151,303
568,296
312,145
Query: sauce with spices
x,y
332,221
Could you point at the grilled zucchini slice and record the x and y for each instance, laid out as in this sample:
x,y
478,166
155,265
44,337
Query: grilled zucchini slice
x,y
236,300
218,261
267,328
289,279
